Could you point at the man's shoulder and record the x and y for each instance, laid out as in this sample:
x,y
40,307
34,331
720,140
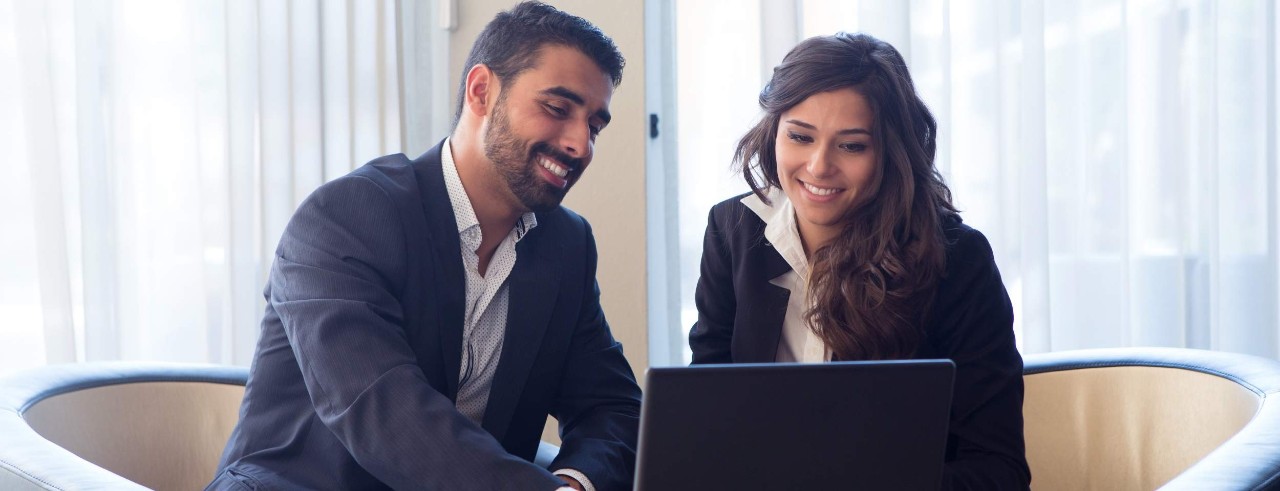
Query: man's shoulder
x,y
563,222
393,173
393,176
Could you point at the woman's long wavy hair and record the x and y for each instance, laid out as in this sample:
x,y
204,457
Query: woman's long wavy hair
x,y
872,286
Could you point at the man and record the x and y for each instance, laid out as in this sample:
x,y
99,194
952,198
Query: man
x,y
424,317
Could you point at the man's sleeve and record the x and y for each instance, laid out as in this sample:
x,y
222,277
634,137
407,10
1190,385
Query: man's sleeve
x,y
599,404
341,260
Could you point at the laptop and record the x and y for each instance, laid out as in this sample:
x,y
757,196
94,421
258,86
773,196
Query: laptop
x,y
781,426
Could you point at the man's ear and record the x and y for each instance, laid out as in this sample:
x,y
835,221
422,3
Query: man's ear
x,y
482,86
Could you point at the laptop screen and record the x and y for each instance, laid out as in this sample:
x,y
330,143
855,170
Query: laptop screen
x,y
839,425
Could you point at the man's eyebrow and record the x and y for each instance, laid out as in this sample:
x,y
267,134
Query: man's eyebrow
x,y
603,114
849,131
565,93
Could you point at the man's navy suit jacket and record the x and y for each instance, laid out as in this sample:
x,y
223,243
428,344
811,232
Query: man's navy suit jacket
x,y
355,375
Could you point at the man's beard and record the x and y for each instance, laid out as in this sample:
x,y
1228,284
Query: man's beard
x,y
516,162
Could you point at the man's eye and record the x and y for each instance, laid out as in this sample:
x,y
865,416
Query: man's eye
x,y
556,110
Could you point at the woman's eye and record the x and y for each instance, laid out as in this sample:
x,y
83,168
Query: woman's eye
x,y
796,137
853,147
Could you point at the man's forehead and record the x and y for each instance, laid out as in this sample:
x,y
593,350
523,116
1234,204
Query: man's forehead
x,y
553,52
565,72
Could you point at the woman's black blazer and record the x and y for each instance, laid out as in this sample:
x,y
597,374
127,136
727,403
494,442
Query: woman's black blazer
x,y
740,318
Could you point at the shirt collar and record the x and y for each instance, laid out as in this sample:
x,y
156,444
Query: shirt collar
x,y
780,227
463,213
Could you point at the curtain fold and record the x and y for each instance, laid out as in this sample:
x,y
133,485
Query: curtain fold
x,y
157,151
34,43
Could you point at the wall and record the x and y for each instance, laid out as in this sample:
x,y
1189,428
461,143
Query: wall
x,y
611,194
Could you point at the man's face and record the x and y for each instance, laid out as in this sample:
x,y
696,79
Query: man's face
x,y
541,133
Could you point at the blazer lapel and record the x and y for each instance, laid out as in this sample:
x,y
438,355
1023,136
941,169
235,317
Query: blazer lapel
x,y
767,310
446,253
534,284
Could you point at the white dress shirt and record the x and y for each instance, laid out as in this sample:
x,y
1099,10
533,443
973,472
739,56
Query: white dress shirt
x,y
485,317
798,343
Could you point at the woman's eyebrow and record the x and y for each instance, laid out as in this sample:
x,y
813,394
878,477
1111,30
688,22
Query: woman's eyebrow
x,y
847,131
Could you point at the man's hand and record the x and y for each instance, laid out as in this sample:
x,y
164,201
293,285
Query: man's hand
x,y
571,483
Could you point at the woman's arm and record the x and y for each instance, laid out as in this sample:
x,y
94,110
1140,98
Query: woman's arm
x,y
711,336
974,321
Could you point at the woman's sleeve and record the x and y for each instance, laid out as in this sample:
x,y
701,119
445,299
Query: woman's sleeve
x,y
712,334
975,329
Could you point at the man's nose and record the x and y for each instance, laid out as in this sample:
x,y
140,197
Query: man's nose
x,y
576,140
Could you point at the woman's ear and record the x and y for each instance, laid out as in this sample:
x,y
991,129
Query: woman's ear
x,y
481,84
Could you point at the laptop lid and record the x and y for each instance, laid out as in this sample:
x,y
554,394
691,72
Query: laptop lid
x,y
839,425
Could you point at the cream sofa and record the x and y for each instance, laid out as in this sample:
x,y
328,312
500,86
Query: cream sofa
x,y
116,425
121,425
1124,419
1148,418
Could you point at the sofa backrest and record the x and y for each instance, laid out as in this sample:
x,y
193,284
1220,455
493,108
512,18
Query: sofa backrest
x,y
162,435
1127,427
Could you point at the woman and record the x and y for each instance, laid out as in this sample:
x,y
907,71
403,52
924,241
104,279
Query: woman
x,y
848,248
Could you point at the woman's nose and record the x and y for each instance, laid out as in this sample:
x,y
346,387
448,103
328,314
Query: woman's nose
x,y
819,166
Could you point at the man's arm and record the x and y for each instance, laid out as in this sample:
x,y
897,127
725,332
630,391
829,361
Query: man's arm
x,y
599,404
341,260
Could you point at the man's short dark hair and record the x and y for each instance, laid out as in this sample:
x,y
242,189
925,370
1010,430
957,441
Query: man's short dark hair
x,y
509,44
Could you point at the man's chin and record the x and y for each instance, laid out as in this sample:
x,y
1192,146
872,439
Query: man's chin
x,y
543,205
544,200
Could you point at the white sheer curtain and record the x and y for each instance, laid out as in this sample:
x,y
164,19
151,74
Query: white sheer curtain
x,y
153,151
1120,154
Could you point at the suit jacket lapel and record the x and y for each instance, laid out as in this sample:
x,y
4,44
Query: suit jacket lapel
x,y
767,309
534,284
450,289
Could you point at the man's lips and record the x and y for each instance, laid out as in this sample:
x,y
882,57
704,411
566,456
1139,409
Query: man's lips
x,y
553,171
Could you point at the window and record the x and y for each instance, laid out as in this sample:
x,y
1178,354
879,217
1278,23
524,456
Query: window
x,y
1120,155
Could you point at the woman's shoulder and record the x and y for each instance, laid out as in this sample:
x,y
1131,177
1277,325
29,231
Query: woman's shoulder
x,y
965,245
733,224
733,210
730,204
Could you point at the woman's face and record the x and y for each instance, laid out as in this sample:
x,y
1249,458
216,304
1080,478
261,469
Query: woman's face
x,y
826,156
